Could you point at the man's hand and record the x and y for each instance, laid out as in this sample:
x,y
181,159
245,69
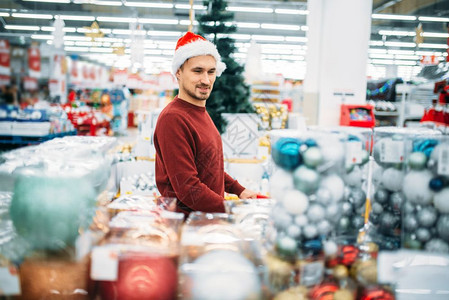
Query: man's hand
x,y
248,194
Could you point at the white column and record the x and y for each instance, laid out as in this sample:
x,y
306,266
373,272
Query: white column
x,y
337,54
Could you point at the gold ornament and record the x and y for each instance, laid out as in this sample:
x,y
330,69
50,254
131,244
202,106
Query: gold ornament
x,y
294,293
344,294
94,31
280,271
118,50
340,272
419,39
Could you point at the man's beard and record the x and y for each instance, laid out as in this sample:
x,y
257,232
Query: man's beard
x,y
202,97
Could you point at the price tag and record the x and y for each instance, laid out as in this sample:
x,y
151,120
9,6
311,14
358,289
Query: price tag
x,y
391,151
104,263
443,160
311,273
9,281
354,152
83,245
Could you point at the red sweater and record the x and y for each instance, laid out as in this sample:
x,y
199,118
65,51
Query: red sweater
x,y
189,159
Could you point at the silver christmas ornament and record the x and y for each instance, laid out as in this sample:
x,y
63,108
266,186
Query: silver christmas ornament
x,y
396,200
335,185
441,201
392,179
427,216
387,221
416,187
417,160
410,223
343,224
281,218
377,208
346,209
357,197
409,207
306,180
313,157
310,231
316,213
358,222
301,220
381,196
323,196
324,227
443,227
333,212
354,178
423,234
294,231
437,245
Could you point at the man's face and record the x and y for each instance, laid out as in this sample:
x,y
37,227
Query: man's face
x,y
197,76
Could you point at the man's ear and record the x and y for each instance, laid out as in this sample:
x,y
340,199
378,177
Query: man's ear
x,y
178,73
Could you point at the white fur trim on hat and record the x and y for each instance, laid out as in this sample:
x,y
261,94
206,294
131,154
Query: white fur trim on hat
x,y
197,48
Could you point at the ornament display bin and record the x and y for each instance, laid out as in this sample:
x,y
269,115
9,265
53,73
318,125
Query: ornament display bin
x,y
217,262
138,259
358,146
310,190
426,194
390,144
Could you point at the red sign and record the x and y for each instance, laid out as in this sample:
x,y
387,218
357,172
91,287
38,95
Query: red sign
x,y
30,83
34,61
5,80
5,58
74,70
429,60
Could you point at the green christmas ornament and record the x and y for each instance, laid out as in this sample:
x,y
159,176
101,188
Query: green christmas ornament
x,y
48,211
313,157
417,160
306,180
286,246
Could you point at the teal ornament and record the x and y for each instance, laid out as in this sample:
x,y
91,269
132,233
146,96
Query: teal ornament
x,y
286,153
416,187
312,157
343,224
443,227
437,245
392,179
441,201
306,180
48,211
437,184
286,246
427,216
425,146
310,142
417,160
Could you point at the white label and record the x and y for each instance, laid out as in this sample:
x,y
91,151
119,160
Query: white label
x,y
83,245
9,281
392,151
443,160
354,152
311,273
104,264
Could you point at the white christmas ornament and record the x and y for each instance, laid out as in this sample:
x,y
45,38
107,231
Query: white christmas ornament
x,y
316,213
226,275
295,202
416,187
377,175
301,220
310,231
392,179
441,201
330,248
280,182
335,185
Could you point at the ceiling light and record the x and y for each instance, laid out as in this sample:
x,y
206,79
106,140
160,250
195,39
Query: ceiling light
x,y
399,44
304,28
100,50
187,22
3,14
149,4
393,17
408,57
76,49
279,26
405,62
128,32
436,34
436,46
291,11
85,30
158,21
238,36
49,1
22,27
268,38
116,20
296,39
164,33
380,55
397,32
153,52
187,6
249,9
376,43
107,3
247,25
77,18
32,16
377,50
433,19
402,52
65,29
76,38
41,37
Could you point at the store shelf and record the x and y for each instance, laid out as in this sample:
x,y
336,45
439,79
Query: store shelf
x,y
28,140
386,114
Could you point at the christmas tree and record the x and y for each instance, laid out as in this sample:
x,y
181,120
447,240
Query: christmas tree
x,y
230,93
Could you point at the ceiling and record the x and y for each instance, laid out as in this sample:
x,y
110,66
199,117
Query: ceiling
x,y
269,23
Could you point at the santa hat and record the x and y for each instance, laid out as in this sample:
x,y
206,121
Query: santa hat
x,y
191,45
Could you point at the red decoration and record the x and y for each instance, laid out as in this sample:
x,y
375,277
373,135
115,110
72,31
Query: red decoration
x,y
324,291
376,294
5,59
348,254
34,61
142,276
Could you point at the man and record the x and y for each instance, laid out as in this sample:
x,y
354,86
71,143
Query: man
x,y
189,151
